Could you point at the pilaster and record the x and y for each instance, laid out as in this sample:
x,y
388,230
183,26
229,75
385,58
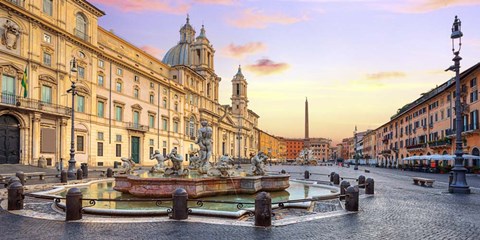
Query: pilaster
x,y
36,119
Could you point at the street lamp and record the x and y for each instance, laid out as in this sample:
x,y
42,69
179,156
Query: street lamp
x,y
459,183
71,162
355,149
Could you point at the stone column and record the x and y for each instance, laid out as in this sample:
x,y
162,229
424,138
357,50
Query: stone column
x,y
64,142
36,118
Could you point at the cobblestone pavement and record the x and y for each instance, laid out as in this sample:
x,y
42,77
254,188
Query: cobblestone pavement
x,y
398,210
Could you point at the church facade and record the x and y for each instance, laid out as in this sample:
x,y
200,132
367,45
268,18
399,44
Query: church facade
x,y
128,103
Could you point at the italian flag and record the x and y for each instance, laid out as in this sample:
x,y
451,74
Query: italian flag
x,y
24,83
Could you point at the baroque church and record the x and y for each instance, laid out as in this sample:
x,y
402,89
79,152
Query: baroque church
x,y
127,102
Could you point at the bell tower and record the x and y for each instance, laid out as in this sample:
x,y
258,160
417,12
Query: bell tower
x,y
202,51
239,93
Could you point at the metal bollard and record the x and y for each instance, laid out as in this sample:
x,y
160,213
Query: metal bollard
x,y
15,196
361,181
21,176
84,167
180,207
74,204
79,174
109,172
63,176
331,176
351,201
370,187
263,210
306,174
283,171
336,179
343,186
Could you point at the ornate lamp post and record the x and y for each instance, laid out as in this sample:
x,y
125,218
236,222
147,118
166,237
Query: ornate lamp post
x,y
459,183
355,149
71,163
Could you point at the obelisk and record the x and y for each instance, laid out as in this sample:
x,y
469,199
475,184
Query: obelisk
x,y
307,138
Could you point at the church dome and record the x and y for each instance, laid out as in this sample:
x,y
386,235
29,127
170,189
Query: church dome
x,y
180,53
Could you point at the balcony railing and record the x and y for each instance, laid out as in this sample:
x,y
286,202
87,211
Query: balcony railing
x,y
440,143
417,146
137,127
82,35
32,104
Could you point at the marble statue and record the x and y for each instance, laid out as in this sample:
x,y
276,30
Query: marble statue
x,y
258,165
10,35
204,141
177,167
159,167
224,168
128,165
195,161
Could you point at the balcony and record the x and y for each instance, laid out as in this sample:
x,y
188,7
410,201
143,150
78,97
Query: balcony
x,y
137,127
82,35
416,147
440,143
9,100
386,152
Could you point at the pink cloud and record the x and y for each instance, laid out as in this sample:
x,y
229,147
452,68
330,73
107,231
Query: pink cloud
x,y
266,66
239,51
251,18
219,2
423,6
168,6
152,50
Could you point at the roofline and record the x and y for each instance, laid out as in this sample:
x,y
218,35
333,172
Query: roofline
x,y
100,12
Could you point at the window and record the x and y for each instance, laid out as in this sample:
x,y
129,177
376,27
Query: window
x,y
164,144
119,72
47,38
47,59
135,93
81,26
191,125
100,109
118,138
152,142
46,94
175,127
99,135
165,124
80,143
118,113
152,86
152,98
119,86
474,96
176,107
101,64
8,89
118,150
474,120
100,149
81,72
164,103
136,117
238,89
136,78
151,121
449,112
80,104
48,7
473,82
100,80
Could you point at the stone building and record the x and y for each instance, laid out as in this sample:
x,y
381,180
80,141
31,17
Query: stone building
x,y
128,103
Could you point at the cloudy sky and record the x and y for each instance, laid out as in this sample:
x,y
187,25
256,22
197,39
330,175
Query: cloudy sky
x,y
357,61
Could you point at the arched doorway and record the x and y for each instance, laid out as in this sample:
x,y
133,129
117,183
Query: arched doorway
x,y
9,140
475,152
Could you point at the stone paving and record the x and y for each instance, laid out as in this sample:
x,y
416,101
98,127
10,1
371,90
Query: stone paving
x,y
398,210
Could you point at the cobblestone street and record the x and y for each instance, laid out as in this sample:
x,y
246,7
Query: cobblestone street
x,y
398,210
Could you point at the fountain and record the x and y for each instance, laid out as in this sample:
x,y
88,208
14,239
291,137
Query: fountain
x,y
205,178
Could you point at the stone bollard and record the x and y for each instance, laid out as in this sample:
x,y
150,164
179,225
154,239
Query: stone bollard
x,y
15,196
351,201
109,172
11,180
361,181
331,176
343,187
63,176
283,171
306,174
336,179
263,210
370,187
180,207
79,174
84,167
21,176
74,204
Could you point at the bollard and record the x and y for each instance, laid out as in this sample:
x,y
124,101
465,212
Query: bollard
x,y
306,174
361,181
74,204
21,176
263,210
79,174
283,171
84,167
336,179
116,164
15,196
331,176
343,187
370,187
63,176
11,180
180,207
351,201
450,178
109,172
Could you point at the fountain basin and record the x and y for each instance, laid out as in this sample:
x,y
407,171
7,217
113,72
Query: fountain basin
x,y
200,187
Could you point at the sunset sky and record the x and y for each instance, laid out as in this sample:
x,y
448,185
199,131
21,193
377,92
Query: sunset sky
x,y
357,61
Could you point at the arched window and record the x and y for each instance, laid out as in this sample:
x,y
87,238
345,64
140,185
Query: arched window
x,y
164,103
81,26
191,126
176,107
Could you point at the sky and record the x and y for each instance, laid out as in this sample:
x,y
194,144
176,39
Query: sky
x,y
357,61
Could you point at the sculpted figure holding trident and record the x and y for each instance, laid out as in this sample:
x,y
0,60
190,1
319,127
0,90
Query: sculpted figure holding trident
x,y
204,141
